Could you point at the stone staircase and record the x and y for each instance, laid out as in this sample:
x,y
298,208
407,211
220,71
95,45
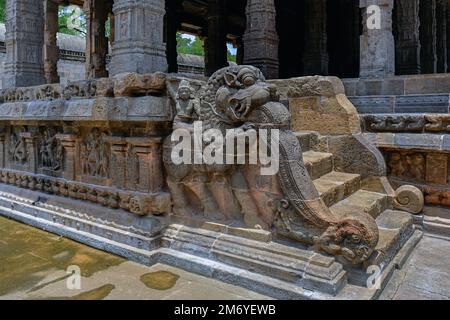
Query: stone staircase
x,y
345,192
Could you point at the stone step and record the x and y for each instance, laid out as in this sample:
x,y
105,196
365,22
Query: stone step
x,y
414,103
318,163
437,226
336,186
372,203
396,229
307,139
303,267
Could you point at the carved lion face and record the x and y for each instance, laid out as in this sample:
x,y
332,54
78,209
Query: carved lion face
x,y
349,239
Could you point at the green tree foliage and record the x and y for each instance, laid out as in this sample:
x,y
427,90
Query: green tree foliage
x,y
67,13
195,47
189,46
2,10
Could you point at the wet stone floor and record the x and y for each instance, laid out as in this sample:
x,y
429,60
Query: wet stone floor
x,y
35,264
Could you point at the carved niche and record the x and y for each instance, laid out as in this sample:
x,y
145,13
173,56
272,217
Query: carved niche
x,y
17,149
51,151
94,155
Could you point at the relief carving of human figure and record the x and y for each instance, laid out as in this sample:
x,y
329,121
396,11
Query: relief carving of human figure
x,y
94,155
187,106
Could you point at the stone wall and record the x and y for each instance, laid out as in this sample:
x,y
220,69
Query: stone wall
x,y
416,148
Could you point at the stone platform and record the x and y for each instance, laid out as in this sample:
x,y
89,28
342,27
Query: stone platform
x,y
249,261
93,161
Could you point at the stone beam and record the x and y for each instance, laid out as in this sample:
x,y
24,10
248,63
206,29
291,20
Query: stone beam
x,y
24,43
260,38
138,44
377,54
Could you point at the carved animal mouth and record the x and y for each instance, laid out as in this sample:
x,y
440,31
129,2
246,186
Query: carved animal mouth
x,y
239,110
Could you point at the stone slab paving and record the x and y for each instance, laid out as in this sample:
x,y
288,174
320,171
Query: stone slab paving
x,y
425,276
34,264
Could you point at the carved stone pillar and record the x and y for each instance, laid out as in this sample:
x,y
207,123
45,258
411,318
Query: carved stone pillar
x,y
138,45
377,54
68,142
173,8
428,54
239,45
149,163
315,55
260,38
24,43
217,43
441,35
448,34
118,160
3,150
30,139
96,40
51,49
112,28
407,44
205,49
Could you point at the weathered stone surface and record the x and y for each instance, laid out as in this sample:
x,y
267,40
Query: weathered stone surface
x,y
25,42
313,86
318,163
399,85
138,43
377,44
410,199
319,104
261,38
127,84
356,155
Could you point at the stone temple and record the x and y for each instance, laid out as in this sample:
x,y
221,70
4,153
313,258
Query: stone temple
x,y
86,135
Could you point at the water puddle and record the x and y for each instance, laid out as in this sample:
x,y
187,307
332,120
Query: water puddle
x,y
160,280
